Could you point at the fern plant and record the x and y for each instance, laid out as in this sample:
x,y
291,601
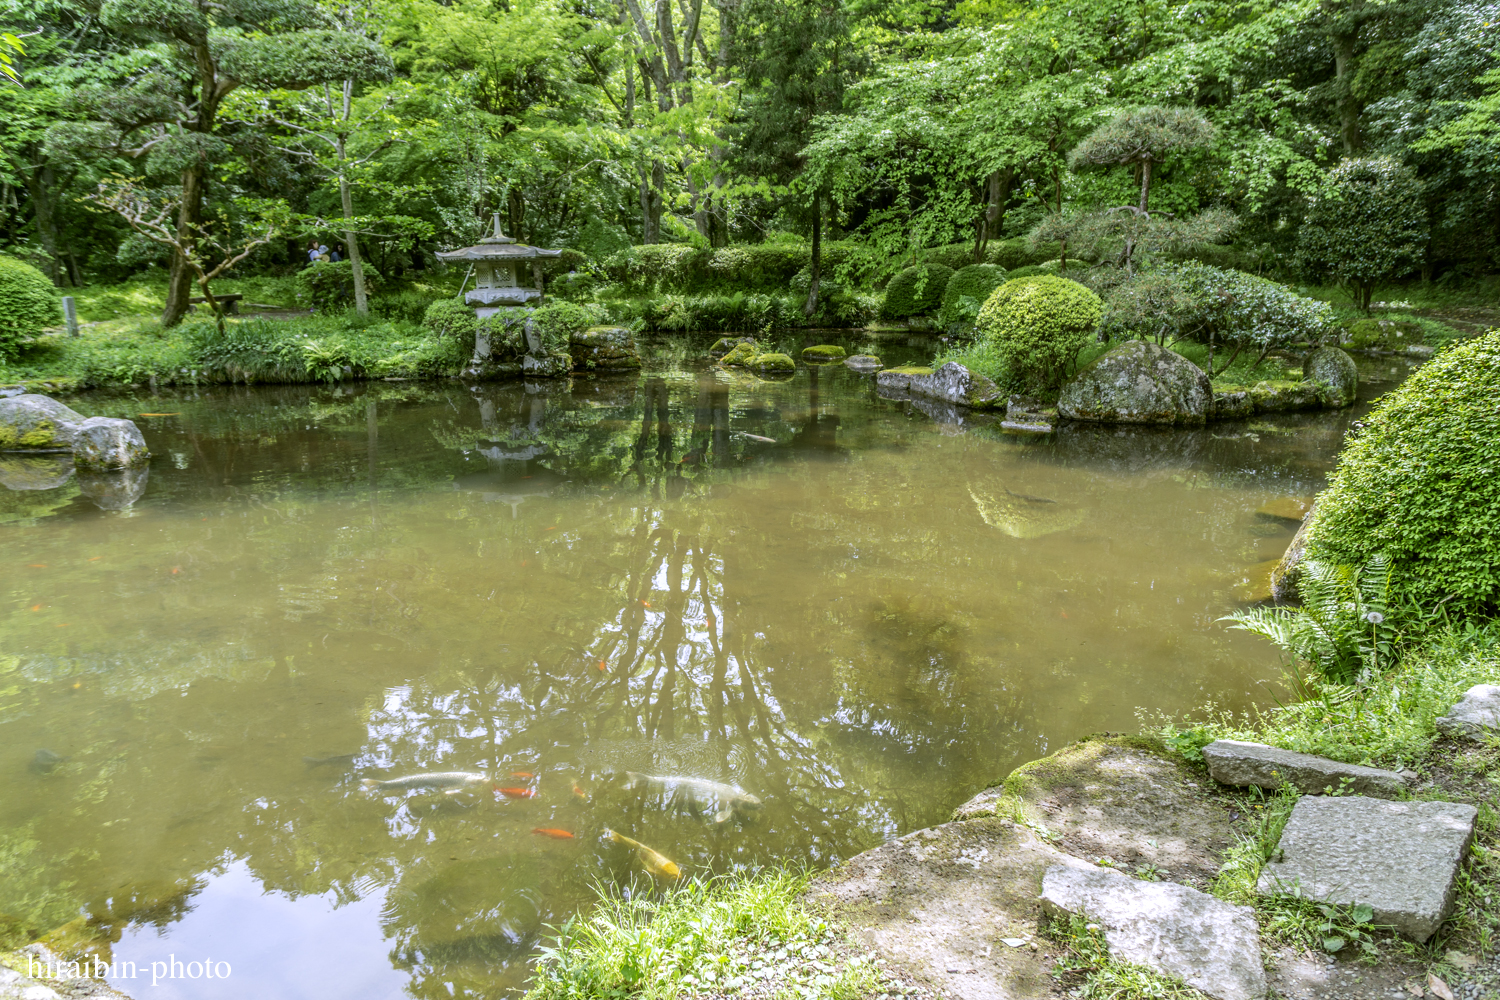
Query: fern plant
x,y
1344,629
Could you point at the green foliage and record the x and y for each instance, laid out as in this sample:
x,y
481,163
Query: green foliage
x,y
1020,252
915,291
750,312
1038,325
1266,816
1144,134
718,935
1345,629
556,322
965,293
328,285
1419,485
1086,961
1369,225
1230,309
28,304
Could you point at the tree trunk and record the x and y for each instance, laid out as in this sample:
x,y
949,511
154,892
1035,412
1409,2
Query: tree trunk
x,y
361,300
516,209
1145,181
1348,106
40,183
181,277
651,202
815,266
994,210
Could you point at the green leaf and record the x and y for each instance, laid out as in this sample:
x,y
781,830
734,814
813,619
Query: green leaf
x,y
1332,944
1362,913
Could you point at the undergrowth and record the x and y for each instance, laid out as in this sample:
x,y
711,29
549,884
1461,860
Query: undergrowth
x,y
720,935
1086,966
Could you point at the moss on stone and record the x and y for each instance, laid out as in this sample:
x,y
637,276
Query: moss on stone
x,y
772,363
910,370
741,354
1285,396
823,352
43,435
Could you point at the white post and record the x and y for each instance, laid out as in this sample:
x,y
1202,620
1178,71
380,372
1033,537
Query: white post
x,y
70,315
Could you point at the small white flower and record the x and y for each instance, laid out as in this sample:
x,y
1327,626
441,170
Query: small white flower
x,y
1374,617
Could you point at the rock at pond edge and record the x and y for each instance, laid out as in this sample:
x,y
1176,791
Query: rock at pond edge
x,y
104,443
1335,374
1207,943
954,383
823,352
1288,571
863,362
900,377
33,422
1139,383
1241,763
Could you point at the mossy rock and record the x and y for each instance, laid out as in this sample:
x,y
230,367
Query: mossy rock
x,y
1335,374
1285,396
772,363
743,353
823,352
37,423
1232,402
724,345
1383,334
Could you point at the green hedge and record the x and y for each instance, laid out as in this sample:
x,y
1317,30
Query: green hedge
x,y
966,292
1038,325
1420,485
329,284
28,304
916,291
680,267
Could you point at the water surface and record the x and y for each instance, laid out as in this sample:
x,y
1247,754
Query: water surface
x,y
861,610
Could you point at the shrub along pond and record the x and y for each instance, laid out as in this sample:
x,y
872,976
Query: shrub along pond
x,y
851,612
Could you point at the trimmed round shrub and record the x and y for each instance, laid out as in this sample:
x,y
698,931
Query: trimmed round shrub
x,y
28,304
916,291
966,292
1038,325
1419,485
556,322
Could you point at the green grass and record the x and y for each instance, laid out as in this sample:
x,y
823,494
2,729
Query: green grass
x,y
310,349
1086,967
718,935
1473,292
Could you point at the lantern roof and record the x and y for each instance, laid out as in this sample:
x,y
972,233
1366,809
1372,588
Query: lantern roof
x,y
497,247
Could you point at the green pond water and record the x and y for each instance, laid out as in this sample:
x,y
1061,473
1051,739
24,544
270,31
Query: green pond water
x,y
861,610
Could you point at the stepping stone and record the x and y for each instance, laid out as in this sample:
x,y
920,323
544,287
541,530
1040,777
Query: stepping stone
x,y
1476,714
1170,928
1235,762
1399,858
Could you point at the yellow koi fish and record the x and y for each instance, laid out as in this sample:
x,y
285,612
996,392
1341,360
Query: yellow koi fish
x,y
656,863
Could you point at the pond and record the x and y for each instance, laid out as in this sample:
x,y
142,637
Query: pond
x,y
861,611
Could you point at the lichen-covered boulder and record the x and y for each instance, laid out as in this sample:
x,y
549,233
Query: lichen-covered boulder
x,y
741,354
1139,383
103,443
34,422
1335,374
956,384
772,363
823,352
606,347
548,366
1285,396
863,363
900,377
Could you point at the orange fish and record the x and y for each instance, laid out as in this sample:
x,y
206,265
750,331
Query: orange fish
x,y
178,414
38,565
553,832
579,791
601,662
176,569
553,528
645,604
522,774
38,607
95,558
517,793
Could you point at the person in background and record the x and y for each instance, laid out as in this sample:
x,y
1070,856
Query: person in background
x,y
312,252
338,252
322,252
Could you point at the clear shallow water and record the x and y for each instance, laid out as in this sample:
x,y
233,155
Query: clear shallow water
x,y
863,620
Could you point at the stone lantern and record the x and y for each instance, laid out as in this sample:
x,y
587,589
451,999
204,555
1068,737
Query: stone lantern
x,y
508,344
497,264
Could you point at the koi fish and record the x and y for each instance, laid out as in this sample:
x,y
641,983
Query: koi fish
x,y
655,862
553,832
522,774
696,796
338,759
517,793
451,782
759,437
178,414
579,791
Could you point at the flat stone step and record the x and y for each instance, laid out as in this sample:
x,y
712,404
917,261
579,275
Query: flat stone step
x,y
1236,762
1399,858
1477,713
1170,928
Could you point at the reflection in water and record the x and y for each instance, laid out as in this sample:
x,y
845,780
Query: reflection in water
x,y
825,599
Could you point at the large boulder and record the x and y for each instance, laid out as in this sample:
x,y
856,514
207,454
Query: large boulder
x,y
608,348
1285,396
953,383
772,363
1335,374
33,422
104,443
1139,383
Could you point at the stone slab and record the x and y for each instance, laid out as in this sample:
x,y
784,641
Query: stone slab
x,y
1169,928
1399,858
1476,714
1236,762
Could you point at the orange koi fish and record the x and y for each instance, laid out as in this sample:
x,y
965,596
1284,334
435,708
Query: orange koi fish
x,y
522,774
653,861
517,793
553,832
